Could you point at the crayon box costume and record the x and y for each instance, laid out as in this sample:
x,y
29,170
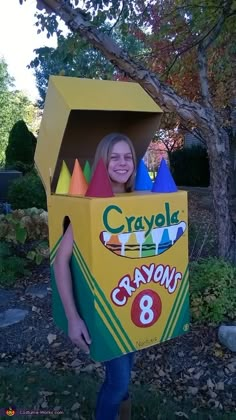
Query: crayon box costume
x,y
130,254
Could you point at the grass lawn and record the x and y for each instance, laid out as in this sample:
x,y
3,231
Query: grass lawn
x,y
74,395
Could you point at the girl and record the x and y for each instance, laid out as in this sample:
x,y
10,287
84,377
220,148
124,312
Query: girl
x,y
118,154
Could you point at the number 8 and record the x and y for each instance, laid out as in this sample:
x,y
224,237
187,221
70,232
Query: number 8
x,y
145,305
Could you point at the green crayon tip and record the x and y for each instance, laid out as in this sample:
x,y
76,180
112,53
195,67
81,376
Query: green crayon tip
x,y
87,171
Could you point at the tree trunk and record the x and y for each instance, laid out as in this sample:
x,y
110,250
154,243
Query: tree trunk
x,y
220,170
204,118
218,145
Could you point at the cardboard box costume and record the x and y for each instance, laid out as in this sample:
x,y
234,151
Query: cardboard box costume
x,y
130,258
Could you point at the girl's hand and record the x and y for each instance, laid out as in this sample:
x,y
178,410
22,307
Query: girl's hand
x,y
78,333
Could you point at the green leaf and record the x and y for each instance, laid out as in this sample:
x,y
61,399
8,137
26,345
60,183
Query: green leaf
x,y
21,234
31,255
38,259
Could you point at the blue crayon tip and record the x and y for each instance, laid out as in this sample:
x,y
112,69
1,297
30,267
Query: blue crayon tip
x,y
164,182
143,181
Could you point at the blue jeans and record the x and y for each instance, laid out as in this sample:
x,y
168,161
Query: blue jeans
x,y
114,389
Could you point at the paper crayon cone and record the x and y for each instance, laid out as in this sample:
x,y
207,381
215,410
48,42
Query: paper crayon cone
x,y
87,171
164,182
78,183
100,185
63,184
143,181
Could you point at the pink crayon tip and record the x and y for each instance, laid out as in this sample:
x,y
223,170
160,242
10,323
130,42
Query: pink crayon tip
x,y
100,184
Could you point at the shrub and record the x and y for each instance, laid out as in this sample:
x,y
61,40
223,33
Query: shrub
x,y
35,221
11,266
212,290
21,225
190,166
12,230
26,192
15,229
21,147
20,166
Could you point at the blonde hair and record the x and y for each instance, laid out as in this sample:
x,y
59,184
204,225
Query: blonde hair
x,y
104,150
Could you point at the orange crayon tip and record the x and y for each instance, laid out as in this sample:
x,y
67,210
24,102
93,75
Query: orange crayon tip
x,y
78,184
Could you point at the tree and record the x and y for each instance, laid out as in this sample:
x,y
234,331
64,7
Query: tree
x,y
13,106
21,147
75,57
201,115
72,57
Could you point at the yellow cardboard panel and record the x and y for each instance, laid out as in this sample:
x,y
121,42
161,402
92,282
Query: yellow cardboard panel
x,y
139,296
104,95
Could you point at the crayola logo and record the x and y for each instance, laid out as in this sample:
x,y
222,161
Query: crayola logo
x,y
138,237
133,223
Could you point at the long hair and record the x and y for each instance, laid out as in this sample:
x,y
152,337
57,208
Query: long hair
x,y
104,150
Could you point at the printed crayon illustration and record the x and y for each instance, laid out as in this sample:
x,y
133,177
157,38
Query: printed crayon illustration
x,y
136,245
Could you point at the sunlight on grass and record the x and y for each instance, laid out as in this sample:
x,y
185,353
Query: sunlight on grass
x,y
74,395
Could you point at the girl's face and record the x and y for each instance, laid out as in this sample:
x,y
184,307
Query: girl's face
x,y
120,165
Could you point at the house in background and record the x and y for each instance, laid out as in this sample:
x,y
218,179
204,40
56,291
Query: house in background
x,y
193,139
156,151
164,142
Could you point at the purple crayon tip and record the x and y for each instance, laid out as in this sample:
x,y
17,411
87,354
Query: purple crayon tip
x,y
164,182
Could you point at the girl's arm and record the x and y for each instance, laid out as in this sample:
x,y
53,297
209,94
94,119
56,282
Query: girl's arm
x,y
77,330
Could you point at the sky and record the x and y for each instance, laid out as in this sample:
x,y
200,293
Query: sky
x,y
18,39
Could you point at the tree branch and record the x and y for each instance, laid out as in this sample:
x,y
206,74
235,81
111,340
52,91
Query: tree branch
x,y
206,40
211,36
164,95
117,20
202,56
202,42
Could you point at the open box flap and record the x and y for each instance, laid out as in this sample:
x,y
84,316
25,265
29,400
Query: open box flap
x,y
79,112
